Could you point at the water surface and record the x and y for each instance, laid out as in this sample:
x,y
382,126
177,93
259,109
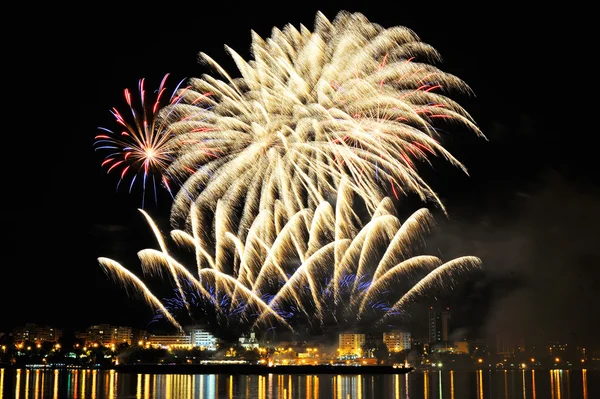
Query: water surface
x,y
484,384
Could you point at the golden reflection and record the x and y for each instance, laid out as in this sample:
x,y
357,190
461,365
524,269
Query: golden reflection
x,y
177,385
230,387
168,388
524,385
107,383
426,385
270,385
505,384
280,387
262,394
112,382
43,383
94,378
308,387
146,386
552,395
584,382
27,383
138,391
1,383
359,390
451,384
290,390
18,383
480,384
36,384
316,389
533,384
55,385
397,389
75,377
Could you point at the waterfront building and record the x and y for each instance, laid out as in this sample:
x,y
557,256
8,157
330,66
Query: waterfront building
x,y
397,341
107,335
350,345
454,348
249,342
461,347
200,338
36,333
177,341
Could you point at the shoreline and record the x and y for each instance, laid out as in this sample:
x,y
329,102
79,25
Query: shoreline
x,y
259,369
256,369
247,369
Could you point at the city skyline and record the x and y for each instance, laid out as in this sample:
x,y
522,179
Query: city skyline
x,y
401,346
529,208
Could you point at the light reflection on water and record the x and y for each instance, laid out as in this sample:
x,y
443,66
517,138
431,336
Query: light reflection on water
x,y
481,384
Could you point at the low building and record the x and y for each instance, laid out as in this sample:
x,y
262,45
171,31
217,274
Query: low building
x,y
250,342
178,341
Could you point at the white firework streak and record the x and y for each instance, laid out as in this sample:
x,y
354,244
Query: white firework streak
x,y
295,266
351,100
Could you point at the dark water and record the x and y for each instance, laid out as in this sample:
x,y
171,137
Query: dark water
x,y
97,384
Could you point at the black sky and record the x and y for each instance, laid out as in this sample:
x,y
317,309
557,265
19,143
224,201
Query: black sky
x,y
529,207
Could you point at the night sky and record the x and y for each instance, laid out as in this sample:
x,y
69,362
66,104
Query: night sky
x,y
530,207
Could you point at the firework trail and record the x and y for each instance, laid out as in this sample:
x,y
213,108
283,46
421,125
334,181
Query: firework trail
x,y
268,167
288,268
350,100
142,151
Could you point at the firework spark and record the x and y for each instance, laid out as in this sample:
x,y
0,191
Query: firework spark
x,y
141,151
349,100
310,267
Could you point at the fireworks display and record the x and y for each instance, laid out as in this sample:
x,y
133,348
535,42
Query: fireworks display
x,y
320,267
286,177
141,151
349,100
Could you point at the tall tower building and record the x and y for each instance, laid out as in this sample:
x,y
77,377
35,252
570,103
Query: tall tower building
x,y
438,325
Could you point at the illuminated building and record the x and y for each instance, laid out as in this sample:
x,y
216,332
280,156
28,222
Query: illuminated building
x,y
397,341
249,342
461,347
107,335
37,334
438,325
179,341
202,339
350,345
